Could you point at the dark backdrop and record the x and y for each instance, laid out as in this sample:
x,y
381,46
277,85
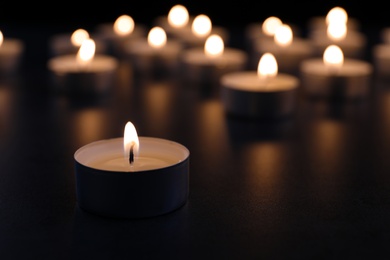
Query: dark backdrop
x,y
228,13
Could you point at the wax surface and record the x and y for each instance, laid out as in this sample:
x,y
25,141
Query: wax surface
x,y
140,164
154,153
249,81
197,56
351,67
68,63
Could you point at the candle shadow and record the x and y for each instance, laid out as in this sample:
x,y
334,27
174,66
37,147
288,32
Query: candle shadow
x,y
335,108
244,129
94,235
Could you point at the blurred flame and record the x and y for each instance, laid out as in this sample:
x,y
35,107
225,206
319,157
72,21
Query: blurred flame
x,y
124,25
268,67
201,26
178,16
270,24
333,57
157,37
1,38
337,14
86,52
283,35
336,31
78,36
214,46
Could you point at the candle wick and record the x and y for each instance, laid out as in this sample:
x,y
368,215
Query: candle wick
x,y
131,155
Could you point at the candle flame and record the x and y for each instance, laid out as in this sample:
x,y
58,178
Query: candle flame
x,y
1,38
124,25
333,57
337,14
336,31
178,16
157,37
214,46
78,36
283,35
86,52
130,140
270,24
201,26
268,67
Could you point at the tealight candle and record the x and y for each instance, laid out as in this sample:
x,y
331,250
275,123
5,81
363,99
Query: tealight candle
x,y
83,73
335,14
201,28
11,50
176,22
340,30
154,55
381,60
132,177
289,51
336,77
69,43
263,94
208,64
117,34
265,30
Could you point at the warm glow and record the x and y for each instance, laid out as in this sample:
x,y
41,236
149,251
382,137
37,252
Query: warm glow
x,y
201,25
214,46
333,56
336,31
86,51
270,24
157,37
283,35
124,25
78,37
337,14
130,140
1,38
178,16
268,67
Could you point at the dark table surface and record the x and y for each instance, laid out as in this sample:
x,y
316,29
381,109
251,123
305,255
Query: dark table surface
x,y
312,186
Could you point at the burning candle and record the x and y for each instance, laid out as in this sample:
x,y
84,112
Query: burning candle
x,y
336,77
176,22
11,51
207,64
154,55
255,32
265,93
338,32
83,73
132,177
117,34
69,43
288,50
201,28
336,14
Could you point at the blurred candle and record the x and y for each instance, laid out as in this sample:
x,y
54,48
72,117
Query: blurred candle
x,y
83,73
263,93
11,52
69,43
334,76
336,14
255,32
117,34
338,31
207,64
288,50
155,55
